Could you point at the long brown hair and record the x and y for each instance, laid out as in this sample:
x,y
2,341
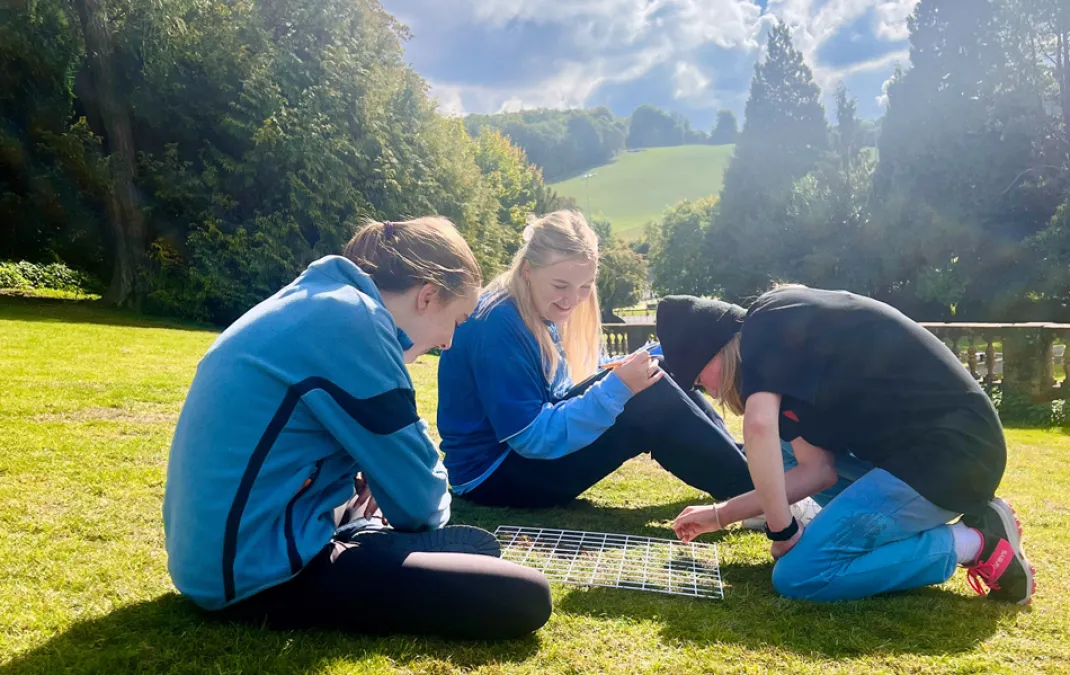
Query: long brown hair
x,y
547,240
398,256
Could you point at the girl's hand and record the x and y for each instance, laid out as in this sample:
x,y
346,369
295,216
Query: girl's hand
x,y
696,520
365,505
639,372
780,548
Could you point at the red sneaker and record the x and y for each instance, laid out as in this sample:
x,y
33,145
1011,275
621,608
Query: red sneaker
x,y
1002,565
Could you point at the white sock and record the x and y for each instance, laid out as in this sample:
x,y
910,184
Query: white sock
x,y
968,542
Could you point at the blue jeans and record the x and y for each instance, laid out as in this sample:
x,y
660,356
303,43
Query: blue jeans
x,y
874,534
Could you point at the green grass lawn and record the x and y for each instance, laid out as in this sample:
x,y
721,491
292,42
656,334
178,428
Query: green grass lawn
x,y
87,406
638,186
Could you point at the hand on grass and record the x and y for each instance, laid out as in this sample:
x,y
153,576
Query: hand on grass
x,y
696,520
639,371
780,548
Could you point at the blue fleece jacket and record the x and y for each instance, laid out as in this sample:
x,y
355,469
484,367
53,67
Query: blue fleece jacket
x,y
290,402
494,398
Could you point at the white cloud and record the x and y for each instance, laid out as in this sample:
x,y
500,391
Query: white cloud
x,y
689,82
449,98
725,23
892,18
882,100
811,29
618,41
658,31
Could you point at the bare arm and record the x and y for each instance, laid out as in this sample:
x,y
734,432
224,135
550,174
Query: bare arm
x,y
761,437
816,472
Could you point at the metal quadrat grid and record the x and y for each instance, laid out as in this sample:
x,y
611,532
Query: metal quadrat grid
x,y
615,560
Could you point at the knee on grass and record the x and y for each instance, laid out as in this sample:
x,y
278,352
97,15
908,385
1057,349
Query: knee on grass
x,y
523,607
798,582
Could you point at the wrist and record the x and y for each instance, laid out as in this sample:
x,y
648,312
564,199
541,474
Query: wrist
x,y
783,534
617,390
779,517
716,510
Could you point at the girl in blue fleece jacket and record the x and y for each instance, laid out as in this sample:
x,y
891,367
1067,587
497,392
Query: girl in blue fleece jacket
x,y
300,395
515,432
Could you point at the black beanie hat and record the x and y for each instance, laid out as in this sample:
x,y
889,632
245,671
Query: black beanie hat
x,y
692,331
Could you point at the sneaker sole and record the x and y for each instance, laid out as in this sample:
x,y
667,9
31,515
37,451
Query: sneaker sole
x,y
1013,527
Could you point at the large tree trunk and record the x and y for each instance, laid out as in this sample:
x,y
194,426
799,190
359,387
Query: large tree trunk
x,y
125,219
1062,71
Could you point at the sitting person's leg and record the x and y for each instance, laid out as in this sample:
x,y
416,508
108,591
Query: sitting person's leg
x,y
680,430
376,588
523,482
878,535
686,435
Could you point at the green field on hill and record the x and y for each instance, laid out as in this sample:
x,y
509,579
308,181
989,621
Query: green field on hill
x,y
638,186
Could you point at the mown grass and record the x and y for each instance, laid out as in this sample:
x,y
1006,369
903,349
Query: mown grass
x,y
638,186
87,407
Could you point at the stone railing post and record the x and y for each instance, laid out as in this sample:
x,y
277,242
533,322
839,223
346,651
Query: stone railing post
x,y
1026,361
971,356
990,356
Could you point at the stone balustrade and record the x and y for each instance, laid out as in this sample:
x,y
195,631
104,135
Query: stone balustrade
x,y
1028,358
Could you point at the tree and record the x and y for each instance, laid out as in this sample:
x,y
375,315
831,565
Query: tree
x,y
512,180
847,127
1051,261
52,178
547,201
678,262
652,127
561,142
783,137
966,145
622,275
125,219
622,272
941,104
268,132
603,229
726,129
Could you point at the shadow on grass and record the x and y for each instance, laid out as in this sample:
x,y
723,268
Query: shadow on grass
x,y
58,310
168,634
928,621
647,521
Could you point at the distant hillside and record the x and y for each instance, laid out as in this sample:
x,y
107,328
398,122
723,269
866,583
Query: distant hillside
x,y
640,185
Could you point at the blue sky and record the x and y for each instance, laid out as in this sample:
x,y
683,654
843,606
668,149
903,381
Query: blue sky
x,y
690,56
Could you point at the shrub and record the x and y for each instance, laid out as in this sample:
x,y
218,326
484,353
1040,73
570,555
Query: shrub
x,y
10,276
53,276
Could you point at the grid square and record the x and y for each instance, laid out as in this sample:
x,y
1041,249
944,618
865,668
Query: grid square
x,y
616,560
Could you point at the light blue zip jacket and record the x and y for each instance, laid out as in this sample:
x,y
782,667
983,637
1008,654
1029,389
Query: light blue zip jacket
x,y
290,402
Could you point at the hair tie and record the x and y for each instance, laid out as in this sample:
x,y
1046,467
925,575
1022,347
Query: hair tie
x,y
388,229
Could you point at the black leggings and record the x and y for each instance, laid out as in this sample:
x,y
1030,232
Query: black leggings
x,y
680,430
374,590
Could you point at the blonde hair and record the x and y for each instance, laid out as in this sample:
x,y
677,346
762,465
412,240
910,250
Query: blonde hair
x,y
398,256
547,240
729,386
